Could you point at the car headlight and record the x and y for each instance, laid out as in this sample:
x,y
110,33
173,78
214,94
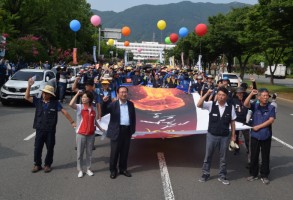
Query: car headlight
x,y
35,87
5,87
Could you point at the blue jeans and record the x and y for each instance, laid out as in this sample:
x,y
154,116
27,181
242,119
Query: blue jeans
x,y
213,143
62,90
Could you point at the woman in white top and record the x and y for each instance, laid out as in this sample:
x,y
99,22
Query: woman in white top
x,y
85,128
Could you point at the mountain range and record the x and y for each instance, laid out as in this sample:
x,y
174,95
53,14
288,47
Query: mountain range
x,y
143,19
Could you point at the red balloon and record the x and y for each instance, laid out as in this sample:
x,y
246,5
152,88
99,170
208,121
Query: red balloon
x,y
201,29
173,37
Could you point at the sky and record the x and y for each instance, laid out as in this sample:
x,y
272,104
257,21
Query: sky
x,y
121,5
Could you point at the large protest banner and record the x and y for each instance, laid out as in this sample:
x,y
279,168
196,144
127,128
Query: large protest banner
x,y
167,113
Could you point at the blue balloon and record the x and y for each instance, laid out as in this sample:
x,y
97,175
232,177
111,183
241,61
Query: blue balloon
x,y
183,32
74,25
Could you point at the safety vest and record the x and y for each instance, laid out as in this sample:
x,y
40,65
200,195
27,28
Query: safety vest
x,y
240,110
46,119
219,126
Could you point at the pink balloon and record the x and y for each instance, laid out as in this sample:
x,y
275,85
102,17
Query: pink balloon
x,y
96,20
139,49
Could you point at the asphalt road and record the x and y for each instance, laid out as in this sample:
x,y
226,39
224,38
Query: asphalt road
x,y
262,79
183,158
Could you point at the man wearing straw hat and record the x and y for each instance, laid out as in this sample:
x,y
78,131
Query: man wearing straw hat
x,y
45,121
105,97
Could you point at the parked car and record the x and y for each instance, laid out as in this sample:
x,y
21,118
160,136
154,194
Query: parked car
x,y
233,78
14,89
72,72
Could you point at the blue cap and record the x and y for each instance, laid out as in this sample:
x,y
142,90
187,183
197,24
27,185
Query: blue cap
x,y
225,79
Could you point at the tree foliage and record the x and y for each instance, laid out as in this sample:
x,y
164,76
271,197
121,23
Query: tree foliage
x,y
264,29
48,21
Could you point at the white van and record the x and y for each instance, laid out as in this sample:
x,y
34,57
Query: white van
x,y
279,73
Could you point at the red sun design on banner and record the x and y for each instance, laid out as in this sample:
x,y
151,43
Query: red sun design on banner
x,y
161,111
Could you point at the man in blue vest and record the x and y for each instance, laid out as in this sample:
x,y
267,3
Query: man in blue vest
x,y
137,79
263,116
196,86
46,117
105,96
221,116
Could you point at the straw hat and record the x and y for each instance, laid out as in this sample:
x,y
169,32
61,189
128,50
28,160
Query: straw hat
x,y
105,82
49,89
199,77
107,77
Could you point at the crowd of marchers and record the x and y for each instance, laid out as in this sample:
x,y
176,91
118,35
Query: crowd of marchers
x,y
103,89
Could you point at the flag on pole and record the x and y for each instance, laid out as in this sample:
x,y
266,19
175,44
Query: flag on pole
x,y
199,63
74,55
94,54
2,45
161,56
125,58
182,58
172,61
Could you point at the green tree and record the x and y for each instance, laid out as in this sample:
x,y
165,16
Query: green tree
x,y
49,21
269,24
244,41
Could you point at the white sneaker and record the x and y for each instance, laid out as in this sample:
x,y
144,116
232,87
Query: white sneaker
x,y
80,174
89,173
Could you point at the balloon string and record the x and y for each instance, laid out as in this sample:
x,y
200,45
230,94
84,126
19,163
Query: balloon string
x,y
95,35
75,39
200,46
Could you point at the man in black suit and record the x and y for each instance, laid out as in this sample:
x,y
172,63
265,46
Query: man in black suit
x,y
121,128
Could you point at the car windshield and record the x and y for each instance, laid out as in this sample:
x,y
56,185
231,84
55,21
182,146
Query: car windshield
x,y
25,75
230,76
70,71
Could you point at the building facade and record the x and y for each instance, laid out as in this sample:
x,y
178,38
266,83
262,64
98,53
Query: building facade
x,y
145,50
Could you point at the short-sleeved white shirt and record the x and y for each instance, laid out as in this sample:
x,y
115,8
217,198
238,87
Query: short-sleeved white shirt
x,y
208,106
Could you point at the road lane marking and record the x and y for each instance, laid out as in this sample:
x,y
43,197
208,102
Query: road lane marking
x,y
168,191
291,114
30,136
282,142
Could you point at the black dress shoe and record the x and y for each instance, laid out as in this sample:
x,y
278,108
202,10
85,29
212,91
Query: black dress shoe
x,y
113,175
125,173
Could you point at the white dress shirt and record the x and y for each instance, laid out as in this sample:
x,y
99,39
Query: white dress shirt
x,y
124,114
208,106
